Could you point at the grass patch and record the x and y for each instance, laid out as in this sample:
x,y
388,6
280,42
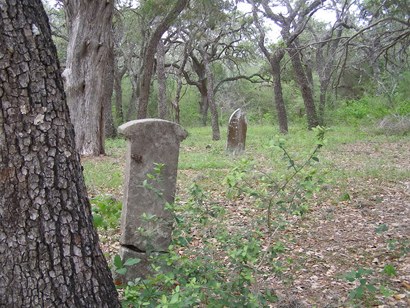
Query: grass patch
x,y
103,175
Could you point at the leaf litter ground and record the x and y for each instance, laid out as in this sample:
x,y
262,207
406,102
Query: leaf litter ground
x,y
361,219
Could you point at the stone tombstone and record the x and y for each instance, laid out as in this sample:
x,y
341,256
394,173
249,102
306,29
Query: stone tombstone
x,y
150,183
237,128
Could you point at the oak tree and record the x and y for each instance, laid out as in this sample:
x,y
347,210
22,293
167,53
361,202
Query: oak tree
x,y
49,251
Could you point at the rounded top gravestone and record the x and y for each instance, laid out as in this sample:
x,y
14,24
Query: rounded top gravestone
x,y
237,132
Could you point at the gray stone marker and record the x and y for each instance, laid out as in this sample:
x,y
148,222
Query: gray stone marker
x,y
150,182
237,128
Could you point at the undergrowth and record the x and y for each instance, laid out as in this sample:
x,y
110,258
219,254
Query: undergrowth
x,y
209,263
215,264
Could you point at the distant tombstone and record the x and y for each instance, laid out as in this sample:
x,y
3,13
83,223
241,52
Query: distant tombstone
x,y
150,182
237,132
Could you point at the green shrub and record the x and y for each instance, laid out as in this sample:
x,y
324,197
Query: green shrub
x,y
366,108
403,108
106,212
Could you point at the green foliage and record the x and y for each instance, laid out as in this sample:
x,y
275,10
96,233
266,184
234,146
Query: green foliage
x,y
189,105
222,271
345,197
389,270
403,95
364,288
403,108
365,291
197,277
115,147
106,212
382,228
364,109
120,267
234,179
153,179
285,192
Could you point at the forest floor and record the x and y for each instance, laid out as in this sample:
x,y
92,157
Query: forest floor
x,y
359,223
357,227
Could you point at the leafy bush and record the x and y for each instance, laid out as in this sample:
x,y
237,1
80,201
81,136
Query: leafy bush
x,y
211,265
403,108
355,111
199,276
106,212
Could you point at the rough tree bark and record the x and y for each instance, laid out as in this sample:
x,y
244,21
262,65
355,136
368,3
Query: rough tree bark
x,y
49,253
199,68
135,90
89,70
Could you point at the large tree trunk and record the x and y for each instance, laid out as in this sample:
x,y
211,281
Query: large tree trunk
x,y
89,70
49,253
277,88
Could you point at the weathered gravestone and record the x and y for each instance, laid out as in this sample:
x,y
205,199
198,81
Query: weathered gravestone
x,y
237,132
150,180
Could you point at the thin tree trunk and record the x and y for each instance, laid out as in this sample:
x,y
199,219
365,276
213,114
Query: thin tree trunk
x,y
149,57
50,255
118,75
322,101
274,61
324,68
175,103
304,86
110,131
133,103
204,104
89,70
277,88
216,135
162,86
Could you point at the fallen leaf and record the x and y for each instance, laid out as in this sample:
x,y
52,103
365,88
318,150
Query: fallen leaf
x,y
406,285
399,296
